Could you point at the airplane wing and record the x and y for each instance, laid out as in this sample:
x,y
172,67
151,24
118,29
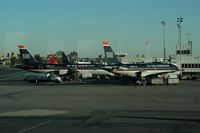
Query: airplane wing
x,y
155,73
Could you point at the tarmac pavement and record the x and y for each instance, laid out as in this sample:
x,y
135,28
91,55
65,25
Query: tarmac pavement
x,y
97,107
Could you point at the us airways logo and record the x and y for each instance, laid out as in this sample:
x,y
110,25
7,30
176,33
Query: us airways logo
x,y
109,54
25,56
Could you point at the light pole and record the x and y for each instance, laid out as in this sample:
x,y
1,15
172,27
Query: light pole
x,y
164,25
179,22
147,49
189,42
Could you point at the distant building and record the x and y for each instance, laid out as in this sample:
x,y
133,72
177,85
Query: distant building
x,y
189,64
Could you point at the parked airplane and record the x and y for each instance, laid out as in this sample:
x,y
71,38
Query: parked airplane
x,y
139,70
86,70
40,71
31,64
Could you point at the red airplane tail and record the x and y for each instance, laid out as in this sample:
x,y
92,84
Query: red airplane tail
x,y
52,60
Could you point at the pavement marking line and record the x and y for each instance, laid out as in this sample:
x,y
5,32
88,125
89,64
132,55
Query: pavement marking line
x,y
34,112
10,74
36,126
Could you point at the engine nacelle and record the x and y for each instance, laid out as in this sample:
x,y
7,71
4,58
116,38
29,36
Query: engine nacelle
x,y
86,75
63,72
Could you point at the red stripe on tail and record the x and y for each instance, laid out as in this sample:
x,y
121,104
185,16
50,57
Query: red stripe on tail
x,y
105,43
21,47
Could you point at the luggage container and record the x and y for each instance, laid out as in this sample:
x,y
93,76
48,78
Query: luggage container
x,y
156,81
172,81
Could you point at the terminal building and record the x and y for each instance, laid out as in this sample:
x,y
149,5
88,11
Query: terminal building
x,y
189,64
122,57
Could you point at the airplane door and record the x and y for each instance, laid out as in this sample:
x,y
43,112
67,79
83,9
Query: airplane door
x,y
40,66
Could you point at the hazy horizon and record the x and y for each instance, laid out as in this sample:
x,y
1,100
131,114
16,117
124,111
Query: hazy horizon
x,y
46,26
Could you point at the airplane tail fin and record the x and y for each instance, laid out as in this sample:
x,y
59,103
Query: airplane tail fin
x,y
64,58
52,60
110,57
26,57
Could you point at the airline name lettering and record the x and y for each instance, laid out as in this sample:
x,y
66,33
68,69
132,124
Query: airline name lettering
x,y
158,66
76,66
49,66
133,66
109,55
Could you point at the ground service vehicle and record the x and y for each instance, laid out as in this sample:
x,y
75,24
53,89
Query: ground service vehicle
x,y
39,77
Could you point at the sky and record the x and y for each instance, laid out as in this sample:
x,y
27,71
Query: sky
x,y
46,26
